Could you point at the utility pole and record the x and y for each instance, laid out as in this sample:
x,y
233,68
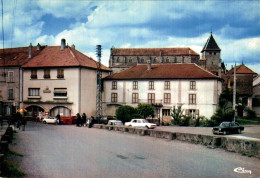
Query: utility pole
x,y
99,89
234,93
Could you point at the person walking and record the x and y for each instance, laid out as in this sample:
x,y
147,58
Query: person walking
x,y
84,120
24,122
78,120
58,119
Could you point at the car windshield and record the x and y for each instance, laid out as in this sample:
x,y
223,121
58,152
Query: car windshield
x,y
224,124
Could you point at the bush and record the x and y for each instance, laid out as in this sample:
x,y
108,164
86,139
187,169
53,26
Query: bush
x,y
125,113
250,114
209,123
145,110
185,121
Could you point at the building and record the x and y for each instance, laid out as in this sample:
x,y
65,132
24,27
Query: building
x,y
60,80
11,60
124,58
164,86
211,57
244,83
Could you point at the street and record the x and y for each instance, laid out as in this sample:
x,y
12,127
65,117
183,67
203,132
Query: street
x,y
70,151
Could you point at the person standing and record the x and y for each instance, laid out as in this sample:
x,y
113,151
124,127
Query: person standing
x,y
24,122
78,120
58,119
84,119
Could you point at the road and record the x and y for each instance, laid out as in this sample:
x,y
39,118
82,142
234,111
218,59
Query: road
x,y
70,151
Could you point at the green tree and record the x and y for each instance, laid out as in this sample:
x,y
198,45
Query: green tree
x,y
145,110
177,114
125,113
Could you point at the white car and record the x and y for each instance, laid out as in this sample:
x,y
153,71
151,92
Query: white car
x,y
115,122
140,123
49,120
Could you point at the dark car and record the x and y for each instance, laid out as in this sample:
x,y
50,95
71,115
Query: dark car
x,y
227,127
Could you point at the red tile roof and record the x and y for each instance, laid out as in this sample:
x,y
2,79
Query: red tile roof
x,y
53,56
152,51
163,71
15,56
241,69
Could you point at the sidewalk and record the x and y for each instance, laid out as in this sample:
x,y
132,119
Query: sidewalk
x,y
251,131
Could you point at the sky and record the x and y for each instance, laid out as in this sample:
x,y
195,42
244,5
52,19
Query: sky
x,y
234,24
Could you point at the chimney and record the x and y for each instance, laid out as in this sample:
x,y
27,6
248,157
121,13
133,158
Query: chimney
x,y
63,44
30,51
149,64
39,46
73,46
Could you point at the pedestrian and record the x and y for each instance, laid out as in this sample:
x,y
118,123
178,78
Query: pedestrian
x,y
78,122
58,119
84,119
24,122
19,119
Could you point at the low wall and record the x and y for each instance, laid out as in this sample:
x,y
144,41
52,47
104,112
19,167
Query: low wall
x,y
243,146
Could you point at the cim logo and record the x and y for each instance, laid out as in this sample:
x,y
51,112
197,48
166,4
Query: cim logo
x,y
242,170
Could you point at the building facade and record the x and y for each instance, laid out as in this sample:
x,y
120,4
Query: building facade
x,y
164,86
11,60
60,80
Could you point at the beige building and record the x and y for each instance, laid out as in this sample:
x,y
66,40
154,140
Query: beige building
x,y
164,86
60,80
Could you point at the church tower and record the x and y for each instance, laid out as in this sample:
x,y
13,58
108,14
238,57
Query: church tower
x,y
210,59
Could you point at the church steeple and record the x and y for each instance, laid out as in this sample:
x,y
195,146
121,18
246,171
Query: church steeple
x,y
211,44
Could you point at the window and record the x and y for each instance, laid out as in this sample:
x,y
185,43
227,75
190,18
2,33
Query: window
x,y
192,112
34,74
167,59
192,98
192,85
135,85
11,76
46,73
34,91
151,98
114,97
167,85
10,94
167,98
151,85
60,92
60,73
135,98
166,112
114,85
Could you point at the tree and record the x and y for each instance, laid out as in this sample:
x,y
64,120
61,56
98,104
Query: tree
x,y
125,113
145,110
177,114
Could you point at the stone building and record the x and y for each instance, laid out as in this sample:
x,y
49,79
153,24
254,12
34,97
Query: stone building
x,y
123,58
164,86
244,83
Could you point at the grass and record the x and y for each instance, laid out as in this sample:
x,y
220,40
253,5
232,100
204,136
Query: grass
x,y
10,169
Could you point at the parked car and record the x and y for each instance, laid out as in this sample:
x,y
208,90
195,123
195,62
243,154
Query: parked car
x,y
227,127
115,122
105,119
49,120
140,123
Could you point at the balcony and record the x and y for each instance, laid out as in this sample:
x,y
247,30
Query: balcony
x,y
156,103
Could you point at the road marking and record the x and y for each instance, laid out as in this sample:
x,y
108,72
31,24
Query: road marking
x,y
242,170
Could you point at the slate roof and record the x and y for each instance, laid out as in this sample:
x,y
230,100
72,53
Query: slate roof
x,y
211,45
53,56
152,51
241,69
15,56
163,71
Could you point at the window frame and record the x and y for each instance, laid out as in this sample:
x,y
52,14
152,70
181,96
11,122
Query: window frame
x,y
135,97
34,74
167,98
114,85
11,76
192,85
60,73
192,98
135,85
33,92
151,85
167,85
46,73
10,94
151,98
114,98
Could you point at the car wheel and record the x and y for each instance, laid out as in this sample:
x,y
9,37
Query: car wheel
x,y
239,131
44,122
213,132
225,133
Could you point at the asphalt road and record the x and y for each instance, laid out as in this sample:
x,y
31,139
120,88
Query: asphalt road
x,y
70,151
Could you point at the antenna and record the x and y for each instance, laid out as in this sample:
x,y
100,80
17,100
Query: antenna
x,y
99,88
